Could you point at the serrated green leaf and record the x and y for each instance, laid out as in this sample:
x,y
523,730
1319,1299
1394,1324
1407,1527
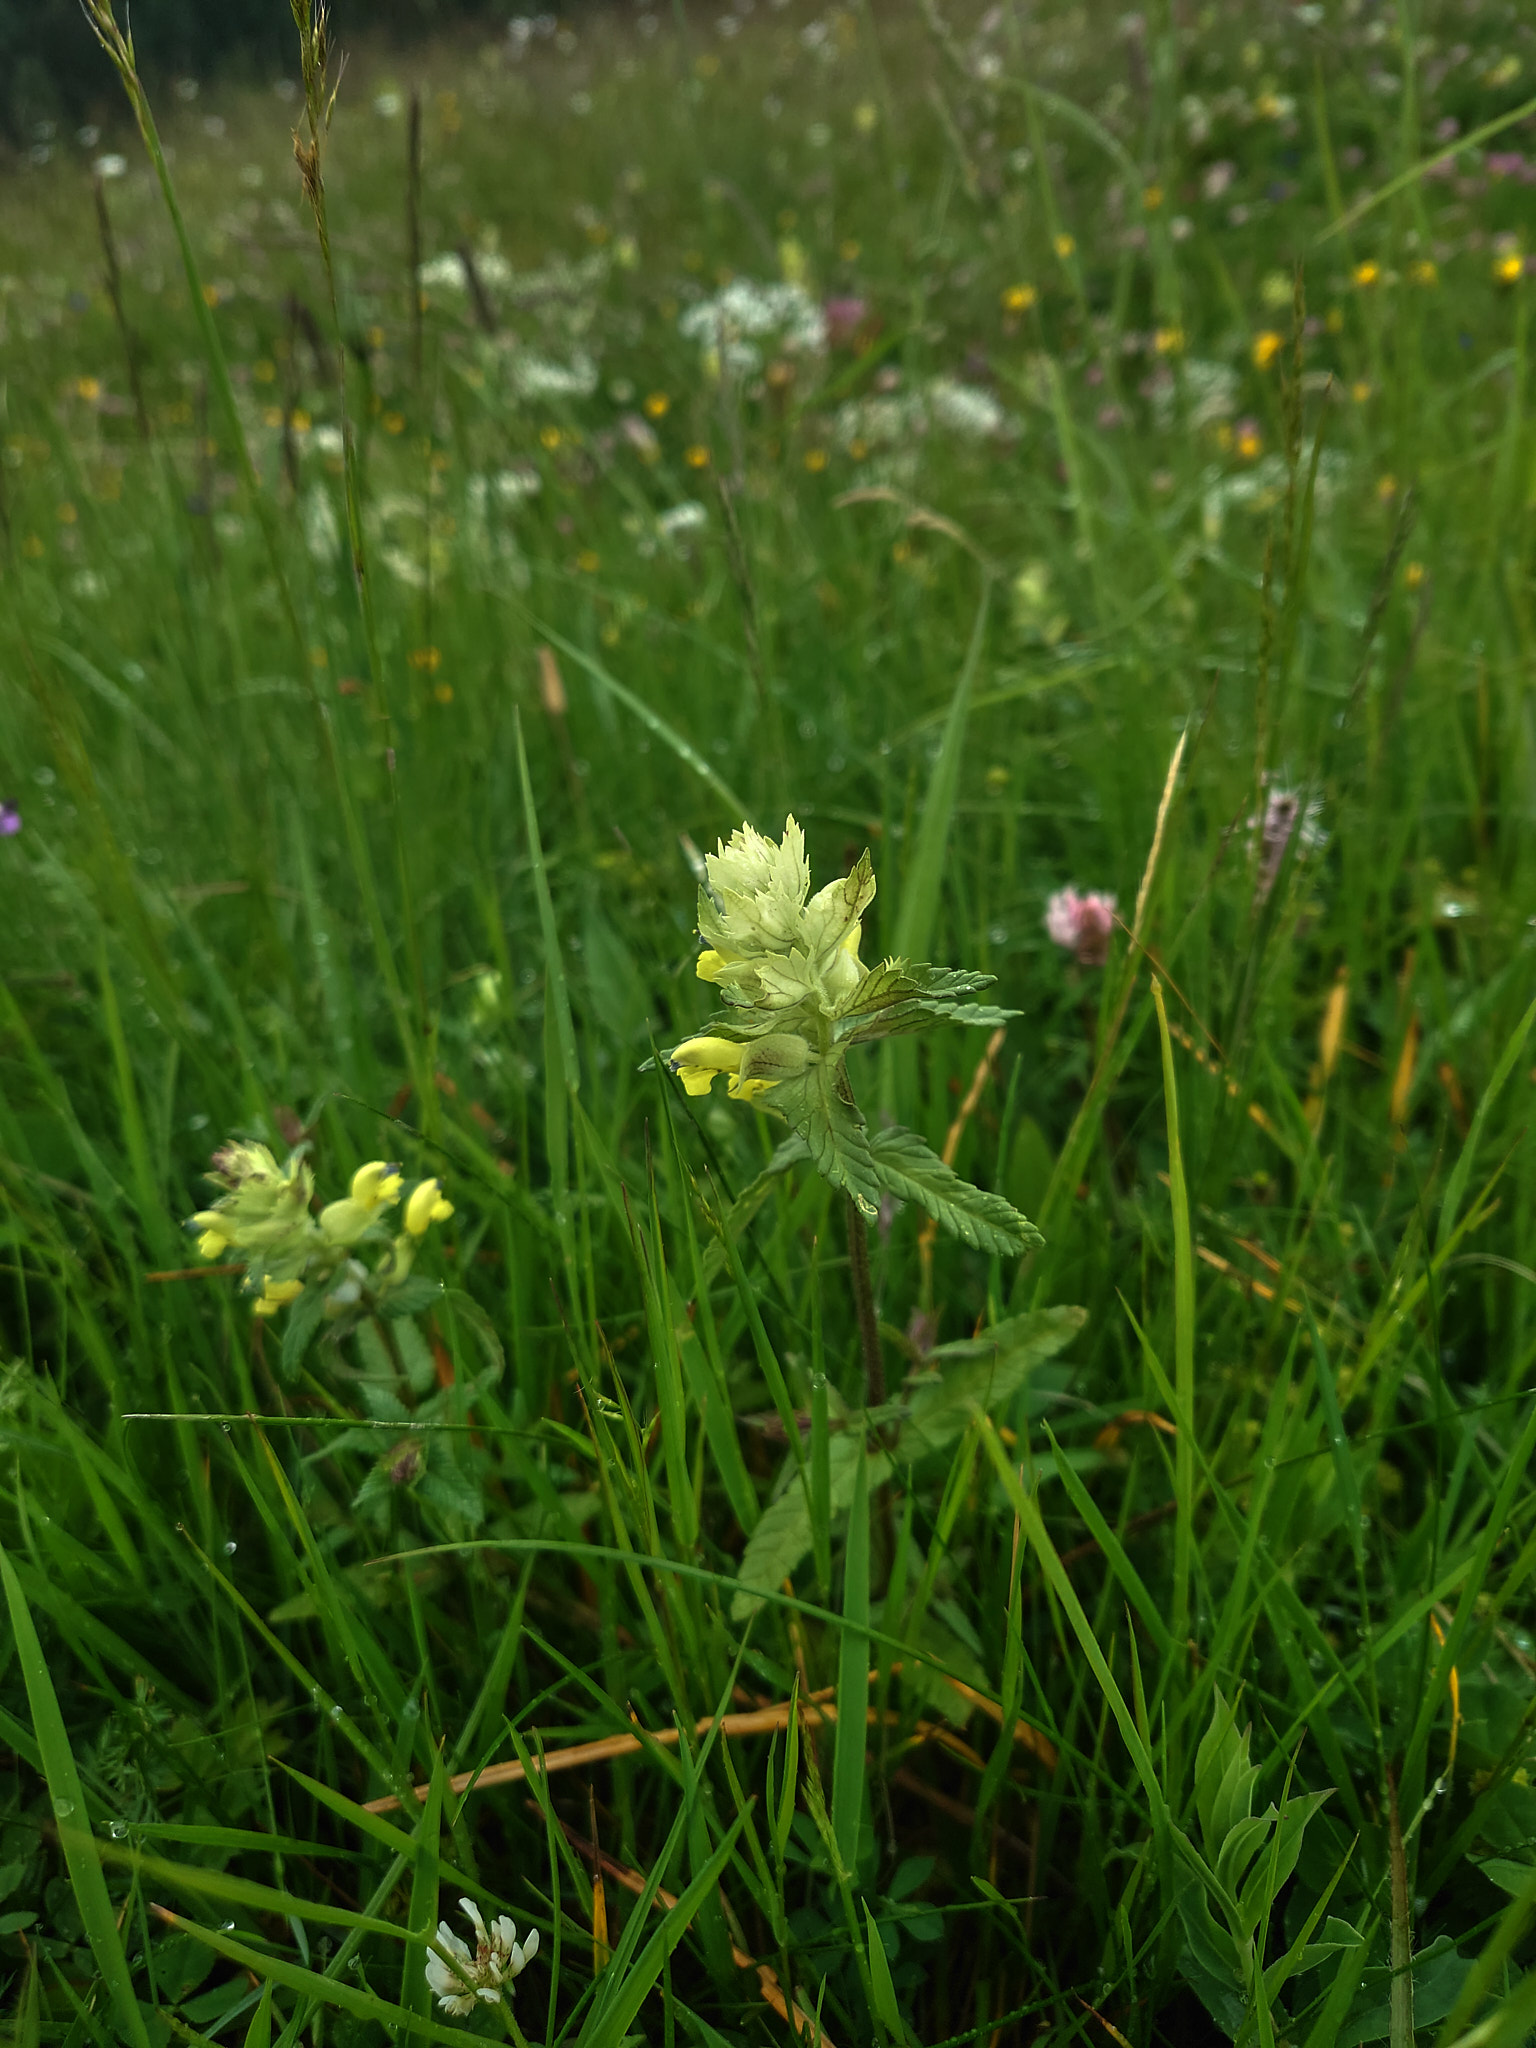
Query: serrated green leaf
x,y
819,1106
983,1372
412,1296
904,1166
782,1538
463,1307
305,1315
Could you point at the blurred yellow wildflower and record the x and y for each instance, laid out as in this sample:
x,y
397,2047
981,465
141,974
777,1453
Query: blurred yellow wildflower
x,y
1019,298
1509,268
657,405
697,457
1169,341
1413,576
1367,274
1266,347
1424,272
1064,245
428,1205
277,1294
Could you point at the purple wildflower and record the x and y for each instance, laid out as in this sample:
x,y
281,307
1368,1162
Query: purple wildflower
x,y
1081,924
10,821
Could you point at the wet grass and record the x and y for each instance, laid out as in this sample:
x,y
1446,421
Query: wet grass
x,y
1144,452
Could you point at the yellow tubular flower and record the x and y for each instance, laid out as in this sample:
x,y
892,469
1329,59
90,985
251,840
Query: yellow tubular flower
x,y
375,1184
427,1206
750,1089
708,965
211,1245
697,1061
277,1294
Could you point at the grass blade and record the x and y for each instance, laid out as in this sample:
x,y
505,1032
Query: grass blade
x,y
853,1678
69,1809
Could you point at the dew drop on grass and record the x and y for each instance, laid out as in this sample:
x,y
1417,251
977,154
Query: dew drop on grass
x,y
117,1830
411,1711
230,1547
63,1808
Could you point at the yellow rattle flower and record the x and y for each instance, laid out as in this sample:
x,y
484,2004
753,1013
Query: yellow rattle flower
x,y
427,1206
375,1184
277,1294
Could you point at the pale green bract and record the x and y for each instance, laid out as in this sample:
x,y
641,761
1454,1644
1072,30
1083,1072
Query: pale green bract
x,y
797,996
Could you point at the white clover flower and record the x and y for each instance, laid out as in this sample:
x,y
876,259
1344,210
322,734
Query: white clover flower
x,y
459,1977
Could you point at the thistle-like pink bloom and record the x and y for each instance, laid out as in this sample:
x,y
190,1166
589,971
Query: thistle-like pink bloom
x,y
1081,924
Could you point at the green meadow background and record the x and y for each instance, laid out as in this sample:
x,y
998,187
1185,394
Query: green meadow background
x,y
1037,445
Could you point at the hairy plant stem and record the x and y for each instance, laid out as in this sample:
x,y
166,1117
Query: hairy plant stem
x,y
864,1304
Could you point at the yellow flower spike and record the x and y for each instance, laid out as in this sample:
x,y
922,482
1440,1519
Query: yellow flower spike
x,y
277,1294
427,1206
376,1184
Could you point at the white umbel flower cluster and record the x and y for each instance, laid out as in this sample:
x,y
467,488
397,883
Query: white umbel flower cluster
x,y
460,1976
729,326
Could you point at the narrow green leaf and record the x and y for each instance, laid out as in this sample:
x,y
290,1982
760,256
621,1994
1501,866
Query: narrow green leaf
x,y
653,722
1456,1186
362,2005
568,1069
1183,1338
69,1811
852,1733
784,1534
886,2009
259,2033
416,1992
609,2029
924,875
